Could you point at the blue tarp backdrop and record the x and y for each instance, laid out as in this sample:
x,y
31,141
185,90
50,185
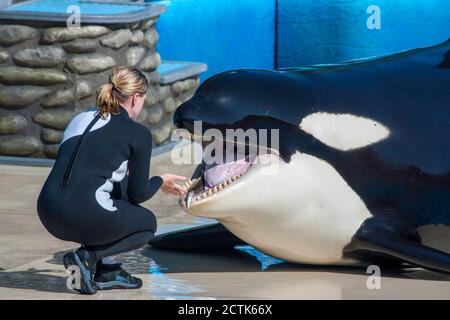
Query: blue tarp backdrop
x,y
324,31
229,34
222,33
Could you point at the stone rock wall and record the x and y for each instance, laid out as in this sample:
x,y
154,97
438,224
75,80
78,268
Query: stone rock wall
x,y
49,73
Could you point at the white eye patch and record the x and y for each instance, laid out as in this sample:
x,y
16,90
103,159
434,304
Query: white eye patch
x,y
343,131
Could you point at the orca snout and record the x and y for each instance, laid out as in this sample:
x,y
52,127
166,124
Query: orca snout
x,y
183,117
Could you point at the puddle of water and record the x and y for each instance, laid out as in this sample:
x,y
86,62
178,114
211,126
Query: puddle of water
x,y
265,260
165,287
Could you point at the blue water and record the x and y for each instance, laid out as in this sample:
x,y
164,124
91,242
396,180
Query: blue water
x,y
323,31
223,34
265,260
61,6
165,287
239,34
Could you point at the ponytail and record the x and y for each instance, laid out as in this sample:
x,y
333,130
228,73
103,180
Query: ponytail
x,y
123,83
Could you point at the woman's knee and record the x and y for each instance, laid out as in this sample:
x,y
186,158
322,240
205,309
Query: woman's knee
x,y
152,222
148,220
145,237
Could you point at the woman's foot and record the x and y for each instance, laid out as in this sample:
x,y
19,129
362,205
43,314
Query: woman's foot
x,y
114,277
85,261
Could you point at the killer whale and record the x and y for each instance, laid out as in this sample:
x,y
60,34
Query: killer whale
x,y
367,141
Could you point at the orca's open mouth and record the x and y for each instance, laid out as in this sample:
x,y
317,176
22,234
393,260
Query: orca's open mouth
x,y
211,178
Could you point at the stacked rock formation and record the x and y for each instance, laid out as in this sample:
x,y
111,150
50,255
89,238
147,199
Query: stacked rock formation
x,y
49,73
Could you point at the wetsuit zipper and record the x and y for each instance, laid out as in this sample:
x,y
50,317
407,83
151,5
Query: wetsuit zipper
x,y
69,169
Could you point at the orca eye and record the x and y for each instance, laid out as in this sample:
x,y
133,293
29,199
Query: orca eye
x,y
343,131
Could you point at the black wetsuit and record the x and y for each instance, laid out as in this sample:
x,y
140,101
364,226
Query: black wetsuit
x,y
88,197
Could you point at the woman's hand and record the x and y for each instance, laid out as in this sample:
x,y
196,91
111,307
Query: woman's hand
x,y
170,186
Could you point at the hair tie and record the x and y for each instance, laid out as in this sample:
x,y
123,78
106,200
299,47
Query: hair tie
x,y
112,83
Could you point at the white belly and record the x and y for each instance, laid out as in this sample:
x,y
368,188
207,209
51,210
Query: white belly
x,y
305,213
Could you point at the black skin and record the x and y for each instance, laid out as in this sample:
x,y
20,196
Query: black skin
x,y
404,180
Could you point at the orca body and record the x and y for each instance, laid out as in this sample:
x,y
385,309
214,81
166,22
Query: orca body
x,y
364,171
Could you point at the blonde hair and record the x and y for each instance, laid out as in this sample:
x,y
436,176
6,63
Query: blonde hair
x,y
122,83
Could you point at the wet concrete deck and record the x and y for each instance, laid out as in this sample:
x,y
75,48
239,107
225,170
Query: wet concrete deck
x,y
31,268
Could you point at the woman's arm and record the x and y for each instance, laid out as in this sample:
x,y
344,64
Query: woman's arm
x,y
140,188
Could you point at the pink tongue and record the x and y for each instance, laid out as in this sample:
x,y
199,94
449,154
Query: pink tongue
x,y
215,174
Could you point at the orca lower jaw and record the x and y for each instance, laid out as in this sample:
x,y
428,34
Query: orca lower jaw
x,y
198,192
216,179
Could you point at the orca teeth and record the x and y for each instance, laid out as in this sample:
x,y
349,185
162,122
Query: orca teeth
x,y
191,197
194,195
191,184
208,193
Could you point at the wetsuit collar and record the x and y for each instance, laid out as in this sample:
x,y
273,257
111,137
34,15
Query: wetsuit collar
x,y
123,111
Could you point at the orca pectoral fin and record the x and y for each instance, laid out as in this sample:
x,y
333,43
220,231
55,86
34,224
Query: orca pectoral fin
x,y
381,242
204,237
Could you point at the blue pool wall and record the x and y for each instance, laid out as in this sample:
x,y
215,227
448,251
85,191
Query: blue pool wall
x,y
223,34
230,34
324,31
